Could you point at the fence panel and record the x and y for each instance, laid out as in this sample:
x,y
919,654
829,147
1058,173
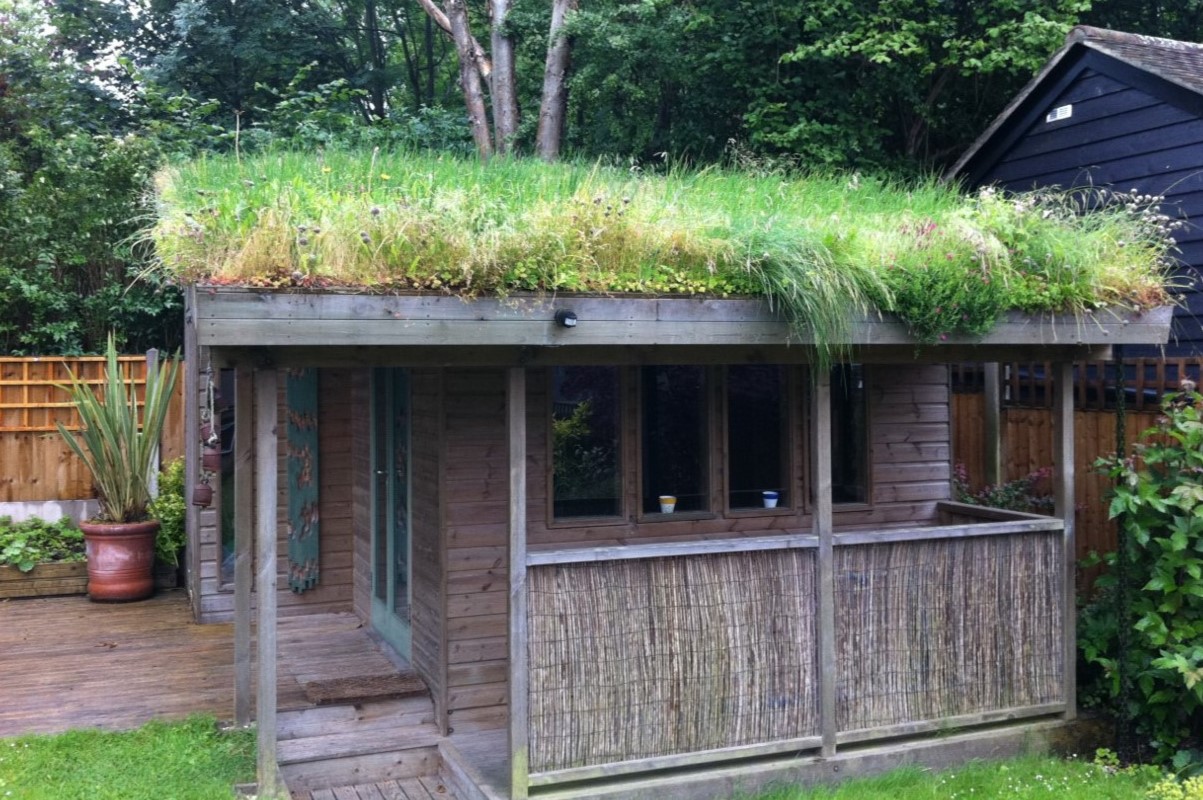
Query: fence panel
x,y
35,463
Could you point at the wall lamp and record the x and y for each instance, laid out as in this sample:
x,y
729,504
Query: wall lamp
x,y
566,318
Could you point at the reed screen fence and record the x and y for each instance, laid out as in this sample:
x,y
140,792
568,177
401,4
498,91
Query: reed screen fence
x,y
636,660
941,629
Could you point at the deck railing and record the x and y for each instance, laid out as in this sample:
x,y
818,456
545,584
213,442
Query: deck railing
x,y
655,656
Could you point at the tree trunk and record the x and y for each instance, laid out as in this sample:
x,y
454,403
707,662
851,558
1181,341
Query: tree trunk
x,y
371,22
442,19
554,104
505,103
469,74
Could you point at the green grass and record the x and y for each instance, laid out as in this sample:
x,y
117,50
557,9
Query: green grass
x,y
187,760
1019,779
825,247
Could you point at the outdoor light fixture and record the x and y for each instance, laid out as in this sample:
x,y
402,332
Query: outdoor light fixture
x,y
566,318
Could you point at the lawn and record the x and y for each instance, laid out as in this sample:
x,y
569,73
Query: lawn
x,y
189,760
1018,779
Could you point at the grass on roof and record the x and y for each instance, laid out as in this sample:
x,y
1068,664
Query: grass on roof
x,y
824,247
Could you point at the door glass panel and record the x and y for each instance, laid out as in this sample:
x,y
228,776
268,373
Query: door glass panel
x,y
380,479
400,488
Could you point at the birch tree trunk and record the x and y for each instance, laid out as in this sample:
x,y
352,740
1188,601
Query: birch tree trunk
x,y
554,105
505,101
469,75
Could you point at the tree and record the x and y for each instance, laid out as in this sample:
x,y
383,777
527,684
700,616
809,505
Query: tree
x,y
500,72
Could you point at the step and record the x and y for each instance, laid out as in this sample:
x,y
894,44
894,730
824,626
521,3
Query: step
x,y
409,712
349,743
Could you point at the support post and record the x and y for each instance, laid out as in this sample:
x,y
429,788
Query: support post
x,y
1063,494
192,472
244,537
820,449
265,534
992,413
515,403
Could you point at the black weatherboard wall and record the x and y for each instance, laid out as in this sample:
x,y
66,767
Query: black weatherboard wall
x,y
1113,110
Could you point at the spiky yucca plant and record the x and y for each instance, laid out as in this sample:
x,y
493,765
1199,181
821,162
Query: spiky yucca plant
x,y
117,441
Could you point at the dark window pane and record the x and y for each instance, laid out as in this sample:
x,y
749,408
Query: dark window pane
x,y
674,437
849,435
380,475
757,435
225,416
585,442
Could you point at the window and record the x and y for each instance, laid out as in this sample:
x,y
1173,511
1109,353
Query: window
x,y
674,443
758,440
849,435
586,447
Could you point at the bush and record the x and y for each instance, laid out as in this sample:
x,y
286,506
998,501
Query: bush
x,y
1158,503
170,508
35,541
1030,493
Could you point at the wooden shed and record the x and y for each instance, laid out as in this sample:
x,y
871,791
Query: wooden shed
x,y
1118,111
622,546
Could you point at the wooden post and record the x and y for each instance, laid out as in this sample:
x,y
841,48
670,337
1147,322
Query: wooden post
x,y
265,531
992,414
191,451
244,521
1063,493
820,448
515,403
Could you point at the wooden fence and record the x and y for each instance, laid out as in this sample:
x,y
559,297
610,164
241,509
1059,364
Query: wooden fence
x,y
35,463
1026,426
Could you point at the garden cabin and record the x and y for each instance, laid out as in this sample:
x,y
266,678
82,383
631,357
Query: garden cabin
x,y
624,545
1115,111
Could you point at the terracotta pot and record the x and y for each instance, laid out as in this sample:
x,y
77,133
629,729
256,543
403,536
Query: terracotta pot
x,y
121,559
202,495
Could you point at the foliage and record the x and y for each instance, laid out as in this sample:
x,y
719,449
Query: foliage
x,y
585,468
1029,493
35,541
1026,778
184,760
824,247
73,190
120,434
1171,788
170,508
1158,503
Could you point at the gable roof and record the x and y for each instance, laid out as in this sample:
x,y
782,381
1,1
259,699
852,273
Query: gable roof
x,y
1178,63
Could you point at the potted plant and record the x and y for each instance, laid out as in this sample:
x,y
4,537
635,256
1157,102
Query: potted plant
x,y
118,442
169,508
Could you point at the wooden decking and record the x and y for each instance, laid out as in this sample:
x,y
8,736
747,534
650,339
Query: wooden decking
x,y
407,789
66,662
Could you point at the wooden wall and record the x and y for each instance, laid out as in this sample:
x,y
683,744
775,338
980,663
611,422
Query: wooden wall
x,y
36,463
333,592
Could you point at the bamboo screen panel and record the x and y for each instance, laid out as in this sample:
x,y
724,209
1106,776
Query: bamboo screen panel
x,y
936,629
643,658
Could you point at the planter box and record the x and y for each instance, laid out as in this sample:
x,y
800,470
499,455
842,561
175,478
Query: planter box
x,y
44,580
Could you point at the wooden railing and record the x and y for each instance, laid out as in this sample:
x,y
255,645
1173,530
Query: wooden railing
x,y
657,656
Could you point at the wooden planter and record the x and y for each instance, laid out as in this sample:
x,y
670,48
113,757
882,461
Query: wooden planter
x,y
45,580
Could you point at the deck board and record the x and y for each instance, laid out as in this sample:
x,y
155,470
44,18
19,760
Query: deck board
x,y
407,789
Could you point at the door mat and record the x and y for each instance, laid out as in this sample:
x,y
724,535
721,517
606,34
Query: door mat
x,y
353,689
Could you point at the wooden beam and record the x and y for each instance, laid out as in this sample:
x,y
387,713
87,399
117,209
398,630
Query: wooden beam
x,y
950,723
992,452
265,584
519,675
244,538
241,316
1063,504
820,448
584,555
436,355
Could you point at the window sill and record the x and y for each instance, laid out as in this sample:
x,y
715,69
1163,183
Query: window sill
x,y
676,515
779,511
585,522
